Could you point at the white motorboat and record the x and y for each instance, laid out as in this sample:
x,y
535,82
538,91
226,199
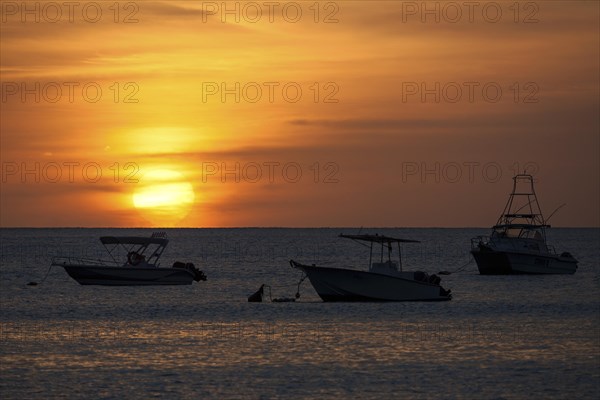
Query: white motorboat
x,y
384,281
517,244
141,266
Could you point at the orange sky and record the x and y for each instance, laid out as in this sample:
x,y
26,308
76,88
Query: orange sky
x,y
401,119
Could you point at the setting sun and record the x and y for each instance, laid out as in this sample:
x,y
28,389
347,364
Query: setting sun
x,y
163,196
311,113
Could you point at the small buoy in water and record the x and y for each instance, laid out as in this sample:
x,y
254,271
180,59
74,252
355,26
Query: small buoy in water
x,y
32,284
258,296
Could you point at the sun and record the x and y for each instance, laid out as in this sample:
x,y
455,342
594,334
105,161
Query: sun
x,y
163,197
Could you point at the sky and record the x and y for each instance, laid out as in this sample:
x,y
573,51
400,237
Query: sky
x,y
299,114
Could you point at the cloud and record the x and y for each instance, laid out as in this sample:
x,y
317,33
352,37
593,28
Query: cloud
x,y
369,133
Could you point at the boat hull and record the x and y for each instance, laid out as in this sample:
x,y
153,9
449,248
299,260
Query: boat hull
x,y
339,284
491,262
124,276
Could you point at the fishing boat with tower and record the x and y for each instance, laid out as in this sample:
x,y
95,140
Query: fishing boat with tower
x,y
517,243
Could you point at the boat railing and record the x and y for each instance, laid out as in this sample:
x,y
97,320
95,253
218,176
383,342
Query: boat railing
x,y
514,243
476,241
83,261
492,241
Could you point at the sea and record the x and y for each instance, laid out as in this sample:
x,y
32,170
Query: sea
x,y
500,337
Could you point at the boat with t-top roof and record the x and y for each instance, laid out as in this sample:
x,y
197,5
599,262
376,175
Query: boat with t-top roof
x,y
140,267
384,281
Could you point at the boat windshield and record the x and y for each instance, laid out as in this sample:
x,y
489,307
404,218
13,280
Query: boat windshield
x,y
532,234
518,232
504,232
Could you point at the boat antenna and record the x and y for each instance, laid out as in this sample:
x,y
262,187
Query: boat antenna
x,y
523,206
554,212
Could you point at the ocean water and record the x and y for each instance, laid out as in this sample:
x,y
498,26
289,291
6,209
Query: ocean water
x,y
501,337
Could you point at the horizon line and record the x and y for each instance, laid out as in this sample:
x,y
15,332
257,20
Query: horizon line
x,y
276,227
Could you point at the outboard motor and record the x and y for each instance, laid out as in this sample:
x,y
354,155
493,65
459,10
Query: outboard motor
x,y
420,276
198,275
435,279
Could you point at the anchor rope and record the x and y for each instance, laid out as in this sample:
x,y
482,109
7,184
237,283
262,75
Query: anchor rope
x,y
302,278
462,267
33,283
297,285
